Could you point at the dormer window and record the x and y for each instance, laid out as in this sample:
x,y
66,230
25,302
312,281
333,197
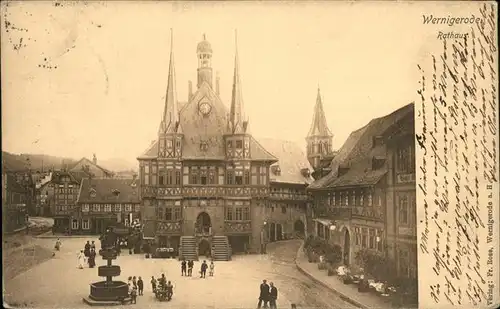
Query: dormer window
x,y
116,192
93,192
377,141
276,170
342,170
377,162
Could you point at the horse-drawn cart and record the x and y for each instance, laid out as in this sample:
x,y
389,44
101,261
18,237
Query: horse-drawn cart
x,y
163,293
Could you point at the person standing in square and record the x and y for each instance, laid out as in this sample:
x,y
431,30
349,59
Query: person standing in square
x,y
273,296
140,286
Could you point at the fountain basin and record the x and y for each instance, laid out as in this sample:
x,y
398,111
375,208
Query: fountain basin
x,y
108,271
112,291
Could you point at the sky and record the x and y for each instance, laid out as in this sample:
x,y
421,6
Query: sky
x,y
106,66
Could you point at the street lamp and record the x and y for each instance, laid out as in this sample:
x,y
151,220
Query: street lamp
x,y
262,239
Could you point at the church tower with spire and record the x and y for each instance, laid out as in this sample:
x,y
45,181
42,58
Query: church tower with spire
x,y
319,140
170,132
237,137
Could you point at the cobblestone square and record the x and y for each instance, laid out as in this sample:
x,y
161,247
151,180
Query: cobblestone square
x,y
59,283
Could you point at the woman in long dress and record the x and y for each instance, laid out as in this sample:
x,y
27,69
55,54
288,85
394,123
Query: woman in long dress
x,y
92,258
81,259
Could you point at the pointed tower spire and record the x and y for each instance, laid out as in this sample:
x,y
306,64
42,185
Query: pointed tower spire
x,y
237,123
319,126
170,120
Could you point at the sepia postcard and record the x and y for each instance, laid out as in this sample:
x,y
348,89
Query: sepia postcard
x,y
250,154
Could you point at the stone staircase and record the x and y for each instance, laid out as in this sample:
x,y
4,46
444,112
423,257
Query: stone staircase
x,y
188,248
222,250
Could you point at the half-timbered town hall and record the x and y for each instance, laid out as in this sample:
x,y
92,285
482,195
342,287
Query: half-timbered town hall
x,y
208,184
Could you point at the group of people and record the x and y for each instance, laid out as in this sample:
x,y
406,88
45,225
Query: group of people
x,y
86,256
163,285
268,294
135,287
189,265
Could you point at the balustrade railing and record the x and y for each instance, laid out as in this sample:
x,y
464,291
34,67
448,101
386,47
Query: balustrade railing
x,y
205,191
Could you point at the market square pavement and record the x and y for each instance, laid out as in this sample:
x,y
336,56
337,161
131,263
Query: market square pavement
x,y
58,283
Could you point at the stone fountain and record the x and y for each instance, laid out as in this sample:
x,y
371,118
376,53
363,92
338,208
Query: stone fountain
x,y
108,292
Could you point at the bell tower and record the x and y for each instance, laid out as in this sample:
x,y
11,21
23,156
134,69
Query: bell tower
x,y
319,138
204,53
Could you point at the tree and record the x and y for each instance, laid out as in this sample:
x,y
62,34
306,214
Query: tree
x,y
334,254
375,264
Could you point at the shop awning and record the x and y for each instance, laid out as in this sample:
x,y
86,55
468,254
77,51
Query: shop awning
x,y
325,222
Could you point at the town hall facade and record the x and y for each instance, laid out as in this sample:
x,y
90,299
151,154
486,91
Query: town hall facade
x,y
207,183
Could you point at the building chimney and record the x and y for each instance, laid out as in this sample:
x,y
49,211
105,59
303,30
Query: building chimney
x,y
217,80
94,159
190,90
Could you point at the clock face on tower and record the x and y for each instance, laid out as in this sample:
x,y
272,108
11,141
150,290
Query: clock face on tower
x,y
205,108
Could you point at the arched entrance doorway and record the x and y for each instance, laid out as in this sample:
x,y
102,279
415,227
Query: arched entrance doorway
x,y
203,224
347,246
299,228
204,248
279,231
272,232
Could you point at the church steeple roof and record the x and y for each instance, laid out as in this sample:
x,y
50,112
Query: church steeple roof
x,y
319,126
237,123
170,119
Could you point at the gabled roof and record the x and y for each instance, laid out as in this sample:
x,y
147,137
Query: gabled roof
x,y
76,177
106,189
357,153
319,127
291,161
210,129
90,163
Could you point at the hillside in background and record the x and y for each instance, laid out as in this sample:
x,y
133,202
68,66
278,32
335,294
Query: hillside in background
x,y
19,162
15,162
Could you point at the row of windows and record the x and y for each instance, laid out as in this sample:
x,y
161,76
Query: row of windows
x,y
75,224
169,144
69,197
367,238
238,144
406,205
169,213
238,177
110,207
352,198
405,160
200,176
237,213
